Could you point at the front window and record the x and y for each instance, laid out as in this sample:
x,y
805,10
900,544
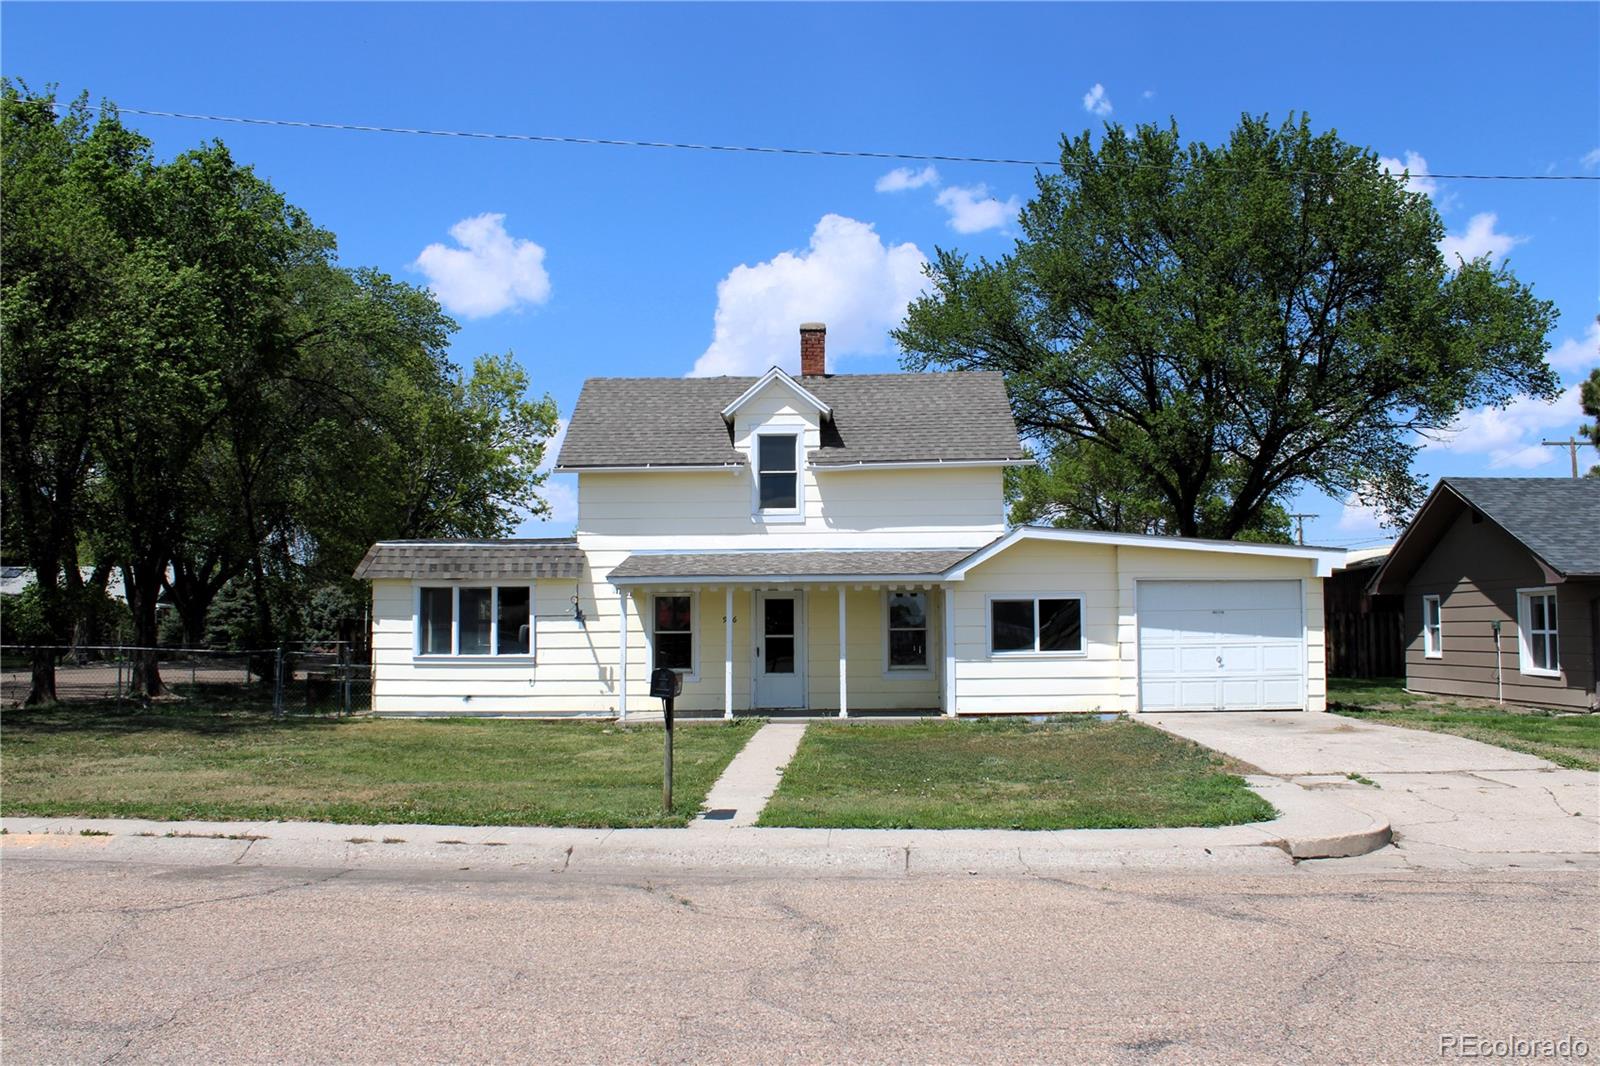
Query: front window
x,y
908,631
1043,624
1432,628
674,633
476,620
778,471
1539,644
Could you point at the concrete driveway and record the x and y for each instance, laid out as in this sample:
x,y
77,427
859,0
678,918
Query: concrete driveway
x,y
1449,799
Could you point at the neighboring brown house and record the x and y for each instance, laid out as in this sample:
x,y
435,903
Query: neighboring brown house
x,y
1500,579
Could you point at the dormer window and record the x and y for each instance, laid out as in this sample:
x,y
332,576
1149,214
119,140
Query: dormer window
x,y
778,473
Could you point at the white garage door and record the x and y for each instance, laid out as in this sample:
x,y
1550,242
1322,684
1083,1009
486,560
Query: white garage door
x,y
1221,646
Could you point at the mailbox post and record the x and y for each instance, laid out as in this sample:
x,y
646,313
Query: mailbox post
x,y
665,684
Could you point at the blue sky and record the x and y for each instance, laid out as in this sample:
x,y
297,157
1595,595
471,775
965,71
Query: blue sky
x,y
633,261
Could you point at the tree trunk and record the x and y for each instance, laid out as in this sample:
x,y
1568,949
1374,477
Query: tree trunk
x,y
43,687
143,580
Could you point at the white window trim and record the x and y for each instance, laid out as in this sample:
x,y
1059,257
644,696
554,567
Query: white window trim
x,y
693,674
910,672
1035,653
454,654
1524,624
1432,646
790,515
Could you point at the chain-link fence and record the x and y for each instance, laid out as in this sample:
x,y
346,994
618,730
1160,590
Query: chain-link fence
x,y
305,679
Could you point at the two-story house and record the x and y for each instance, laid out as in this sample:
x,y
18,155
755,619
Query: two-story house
x,y
832,544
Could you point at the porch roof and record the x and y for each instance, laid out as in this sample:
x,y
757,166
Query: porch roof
x,y
651,568
473,560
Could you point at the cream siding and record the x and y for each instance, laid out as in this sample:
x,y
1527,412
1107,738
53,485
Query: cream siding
x,y
1105,677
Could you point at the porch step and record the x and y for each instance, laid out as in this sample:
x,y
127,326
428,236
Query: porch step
x,y
751,778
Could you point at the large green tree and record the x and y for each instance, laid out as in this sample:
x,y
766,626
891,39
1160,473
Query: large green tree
x,y
1589,395
194,384
61,310
1212,328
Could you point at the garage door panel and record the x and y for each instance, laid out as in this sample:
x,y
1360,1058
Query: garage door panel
x,y
1221,645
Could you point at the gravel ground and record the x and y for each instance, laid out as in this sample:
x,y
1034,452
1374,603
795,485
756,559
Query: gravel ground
x,y
140,963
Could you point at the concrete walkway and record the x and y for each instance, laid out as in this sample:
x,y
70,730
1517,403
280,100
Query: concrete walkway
x,y
751,778
1451,801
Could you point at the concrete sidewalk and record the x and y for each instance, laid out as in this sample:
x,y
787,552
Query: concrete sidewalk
x,y
1451,801
737,798
1310,826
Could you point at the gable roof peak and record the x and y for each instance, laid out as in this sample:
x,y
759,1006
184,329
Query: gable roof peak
x,y
777,374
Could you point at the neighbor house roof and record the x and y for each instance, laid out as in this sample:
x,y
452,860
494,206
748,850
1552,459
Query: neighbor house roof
x,y
470,560
875,418
1555,518
665,567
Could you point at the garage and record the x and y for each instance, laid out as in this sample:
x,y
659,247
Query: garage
x,y
1221,646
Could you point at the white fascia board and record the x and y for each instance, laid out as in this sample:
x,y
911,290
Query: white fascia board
x,y
654,468
777,374
773,580
1325,559
916,464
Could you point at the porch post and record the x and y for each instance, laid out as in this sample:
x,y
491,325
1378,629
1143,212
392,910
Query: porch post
x,y
622,654
727,652
844,711
948,625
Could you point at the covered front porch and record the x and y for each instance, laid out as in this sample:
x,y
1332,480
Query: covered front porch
x,y
788,634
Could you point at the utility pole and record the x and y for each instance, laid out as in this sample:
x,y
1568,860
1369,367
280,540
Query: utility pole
x,y
1571,444
1300,526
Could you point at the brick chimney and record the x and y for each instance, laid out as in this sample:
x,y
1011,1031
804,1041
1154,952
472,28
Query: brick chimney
x,y
813,349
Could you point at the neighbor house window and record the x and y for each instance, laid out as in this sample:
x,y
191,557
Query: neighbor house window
x,y
673,635
1432,628
908,630
1036,624
475,620
1537,638
778,472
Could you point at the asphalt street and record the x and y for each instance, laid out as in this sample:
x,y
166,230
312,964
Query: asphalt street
x,y
1336,960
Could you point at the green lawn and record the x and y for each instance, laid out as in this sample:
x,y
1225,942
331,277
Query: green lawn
x,y
1079,773
1567,739
172,764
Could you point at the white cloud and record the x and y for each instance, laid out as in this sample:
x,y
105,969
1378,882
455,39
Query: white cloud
x,y
1149,94
1510,437
847,278
902,178
1416,169
973,210
1591,159
1480,239
1096,102
1358,518
1576,353
490,272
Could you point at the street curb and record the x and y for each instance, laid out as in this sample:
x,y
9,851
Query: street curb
x,y
1311,825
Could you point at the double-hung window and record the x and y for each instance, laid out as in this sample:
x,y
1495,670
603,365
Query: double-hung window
x,y
672,636
777,473
482,620
1537,638
908,630
1432,628
1036,625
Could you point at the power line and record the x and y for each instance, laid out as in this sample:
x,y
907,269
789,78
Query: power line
x,y
829,153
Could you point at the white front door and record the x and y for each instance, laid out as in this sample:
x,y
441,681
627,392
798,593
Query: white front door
x,y
779,651
1221,646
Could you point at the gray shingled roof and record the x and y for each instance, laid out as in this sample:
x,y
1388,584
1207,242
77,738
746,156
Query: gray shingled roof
x,y
877,418
1558,518
472,559
797,564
